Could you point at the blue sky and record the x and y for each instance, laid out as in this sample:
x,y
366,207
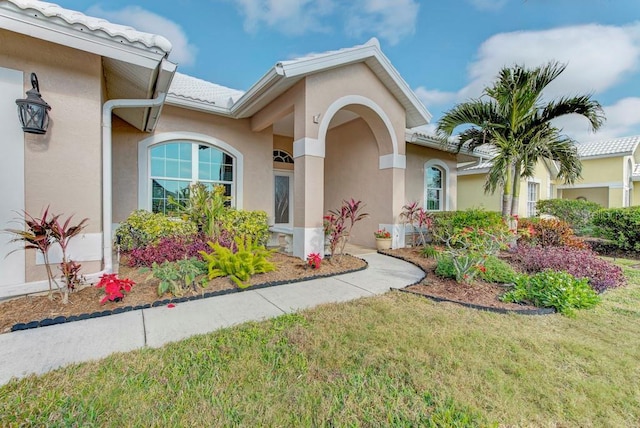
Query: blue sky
x,y
446,50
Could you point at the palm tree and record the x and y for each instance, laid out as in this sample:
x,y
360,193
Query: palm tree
x,y
512,119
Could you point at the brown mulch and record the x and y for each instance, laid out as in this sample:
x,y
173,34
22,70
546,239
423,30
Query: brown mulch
x,y
87,300
478,292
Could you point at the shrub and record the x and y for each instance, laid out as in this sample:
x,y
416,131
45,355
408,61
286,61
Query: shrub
x,y
204,207
142,228
170,248
253,224
548,232
492,270
240,266
447,223
180,277
419,220
468,250
114,287
579,263
577,213
551,289
620,225
497,270
339,223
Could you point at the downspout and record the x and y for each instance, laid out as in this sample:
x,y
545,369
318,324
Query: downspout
x,y
107,110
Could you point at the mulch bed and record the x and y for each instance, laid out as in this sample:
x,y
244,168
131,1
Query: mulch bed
x,y
39,311
478,294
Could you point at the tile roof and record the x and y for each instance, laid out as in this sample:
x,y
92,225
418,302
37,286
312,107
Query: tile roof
x,y
318,55
617,146
192,88
81,22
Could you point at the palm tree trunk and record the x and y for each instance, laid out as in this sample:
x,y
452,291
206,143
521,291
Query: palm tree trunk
x,y
507,193
515,200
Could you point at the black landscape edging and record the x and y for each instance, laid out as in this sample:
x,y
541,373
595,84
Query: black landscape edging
x,y
61,319
538,311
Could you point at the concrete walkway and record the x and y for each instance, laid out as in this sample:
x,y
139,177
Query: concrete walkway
x,y
43,349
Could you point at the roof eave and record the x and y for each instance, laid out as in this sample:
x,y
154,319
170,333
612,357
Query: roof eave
x,y
45,29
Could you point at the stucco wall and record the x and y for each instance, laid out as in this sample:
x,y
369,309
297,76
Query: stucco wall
x,y
417,156
599,195
605,170
351,171
257,149
471,194
63,167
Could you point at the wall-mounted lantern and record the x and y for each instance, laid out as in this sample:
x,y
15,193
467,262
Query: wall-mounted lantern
x,y
33,110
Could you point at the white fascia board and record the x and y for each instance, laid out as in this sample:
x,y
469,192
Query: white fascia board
x,y
609,184
403,87
166,72
611,155
256,92
46,30
311,65
473,171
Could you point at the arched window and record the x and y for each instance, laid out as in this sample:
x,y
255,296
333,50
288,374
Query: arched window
x,y
282,156
434,188
176,165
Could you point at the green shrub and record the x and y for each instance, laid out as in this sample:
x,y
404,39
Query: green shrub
x,y
430,251
493,270
204,207
142,228
179,277
499,271
253,224
553,289
447,223
240,266
620,225
577,213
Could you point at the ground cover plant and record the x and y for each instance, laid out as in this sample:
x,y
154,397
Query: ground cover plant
x,y
392,360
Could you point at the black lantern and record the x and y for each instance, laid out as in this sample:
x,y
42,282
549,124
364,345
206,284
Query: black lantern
x,y
33,110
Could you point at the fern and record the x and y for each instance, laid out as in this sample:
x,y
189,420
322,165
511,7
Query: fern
x,y
240,266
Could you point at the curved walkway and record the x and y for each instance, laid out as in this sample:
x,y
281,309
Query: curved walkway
x,y
47,348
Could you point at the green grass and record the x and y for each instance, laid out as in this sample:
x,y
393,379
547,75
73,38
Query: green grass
x,y
393,360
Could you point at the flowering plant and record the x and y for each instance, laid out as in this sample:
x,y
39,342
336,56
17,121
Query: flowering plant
x,y
314,260
382,233
114,287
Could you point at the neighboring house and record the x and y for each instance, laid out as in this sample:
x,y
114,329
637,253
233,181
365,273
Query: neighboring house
x,y
127,130
609,170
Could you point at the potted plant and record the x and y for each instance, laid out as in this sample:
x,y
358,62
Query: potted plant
x,y
383,239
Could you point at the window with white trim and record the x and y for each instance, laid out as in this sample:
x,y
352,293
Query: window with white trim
x,y
175,165
533,194
434,188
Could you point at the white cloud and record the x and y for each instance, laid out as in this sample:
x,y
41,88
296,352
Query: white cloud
x,y
286,16
434,97
183,52
488,4
390,20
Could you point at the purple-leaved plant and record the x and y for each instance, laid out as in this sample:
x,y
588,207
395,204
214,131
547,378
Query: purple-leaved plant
x,y
172,249
579,263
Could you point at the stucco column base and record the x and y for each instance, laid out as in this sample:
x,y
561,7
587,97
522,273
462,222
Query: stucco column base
x,y
307,240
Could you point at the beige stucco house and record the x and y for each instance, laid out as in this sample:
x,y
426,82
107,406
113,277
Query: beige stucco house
x,y
127,129
609,170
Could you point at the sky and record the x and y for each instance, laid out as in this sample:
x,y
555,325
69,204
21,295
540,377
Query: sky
x,y
447,51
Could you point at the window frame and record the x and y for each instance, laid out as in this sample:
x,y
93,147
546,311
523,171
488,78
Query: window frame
x,y
444,182
144,163
531,203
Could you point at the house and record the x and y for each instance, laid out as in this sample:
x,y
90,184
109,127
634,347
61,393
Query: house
x,y
609,170
127,130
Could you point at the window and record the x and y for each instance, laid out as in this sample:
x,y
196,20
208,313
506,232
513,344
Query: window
x,y
282,156
283,198
533,190
176,165
434,191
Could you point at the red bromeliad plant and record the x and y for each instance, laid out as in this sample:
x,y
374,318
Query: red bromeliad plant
x,y
314,260
114,287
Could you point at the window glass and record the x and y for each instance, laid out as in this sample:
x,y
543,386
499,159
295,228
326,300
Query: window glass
x,y
174,166
433,188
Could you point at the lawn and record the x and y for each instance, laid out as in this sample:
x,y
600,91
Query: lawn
x,y
392,360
